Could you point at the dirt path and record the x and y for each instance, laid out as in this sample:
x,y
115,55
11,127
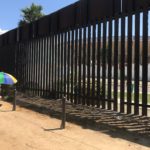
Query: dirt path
x,y
28,130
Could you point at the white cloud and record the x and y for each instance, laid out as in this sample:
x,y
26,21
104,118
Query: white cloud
x,y
2,31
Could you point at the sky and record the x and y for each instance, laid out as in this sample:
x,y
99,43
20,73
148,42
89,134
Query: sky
x,y
10,10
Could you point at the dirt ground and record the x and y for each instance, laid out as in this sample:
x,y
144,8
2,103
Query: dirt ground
x,y
28,130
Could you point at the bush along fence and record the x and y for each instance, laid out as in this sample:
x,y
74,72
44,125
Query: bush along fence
x,y
94,52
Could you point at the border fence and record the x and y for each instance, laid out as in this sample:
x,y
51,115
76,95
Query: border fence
x,y
87,52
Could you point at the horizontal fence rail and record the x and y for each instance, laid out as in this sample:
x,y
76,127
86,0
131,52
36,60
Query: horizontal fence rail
x,y
89,55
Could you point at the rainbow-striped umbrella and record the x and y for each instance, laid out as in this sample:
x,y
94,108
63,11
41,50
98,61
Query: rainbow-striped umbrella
x,y
6,78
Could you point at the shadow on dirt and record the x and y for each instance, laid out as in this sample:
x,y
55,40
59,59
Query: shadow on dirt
x,y
129,127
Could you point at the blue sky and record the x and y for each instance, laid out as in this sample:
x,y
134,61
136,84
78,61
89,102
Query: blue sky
x,y
10,13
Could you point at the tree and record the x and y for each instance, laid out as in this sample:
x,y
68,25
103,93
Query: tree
x,y
30,14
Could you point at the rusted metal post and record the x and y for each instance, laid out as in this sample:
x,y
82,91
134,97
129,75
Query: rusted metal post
x,y
63,113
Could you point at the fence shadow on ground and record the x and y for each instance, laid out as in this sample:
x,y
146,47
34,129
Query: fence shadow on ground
x,y
129,127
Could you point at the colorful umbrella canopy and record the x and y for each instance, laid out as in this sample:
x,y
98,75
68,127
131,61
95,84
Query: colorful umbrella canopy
x,y
6,78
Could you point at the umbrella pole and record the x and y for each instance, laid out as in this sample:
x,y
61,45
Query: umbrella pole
x,y
14,102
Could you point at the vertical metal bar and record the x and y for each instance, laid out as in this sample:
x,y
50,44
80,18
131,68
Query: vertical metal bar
x,y
79,80
38,68
26,51
10,58
116,67
31,63
15,52
68,68
54,60
98,65
26,47
65,62
76,66
104,66
21,64
145,63
34,73
122,65
84,66
19,57
110,65
30,67
15,59
54,68
72,64
58,68
42,67
32,59
33,69
56,54
7,64
93,63
15,55
50,65
88,66
62,56
24,58
129,70
52,73
136,59
47,66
